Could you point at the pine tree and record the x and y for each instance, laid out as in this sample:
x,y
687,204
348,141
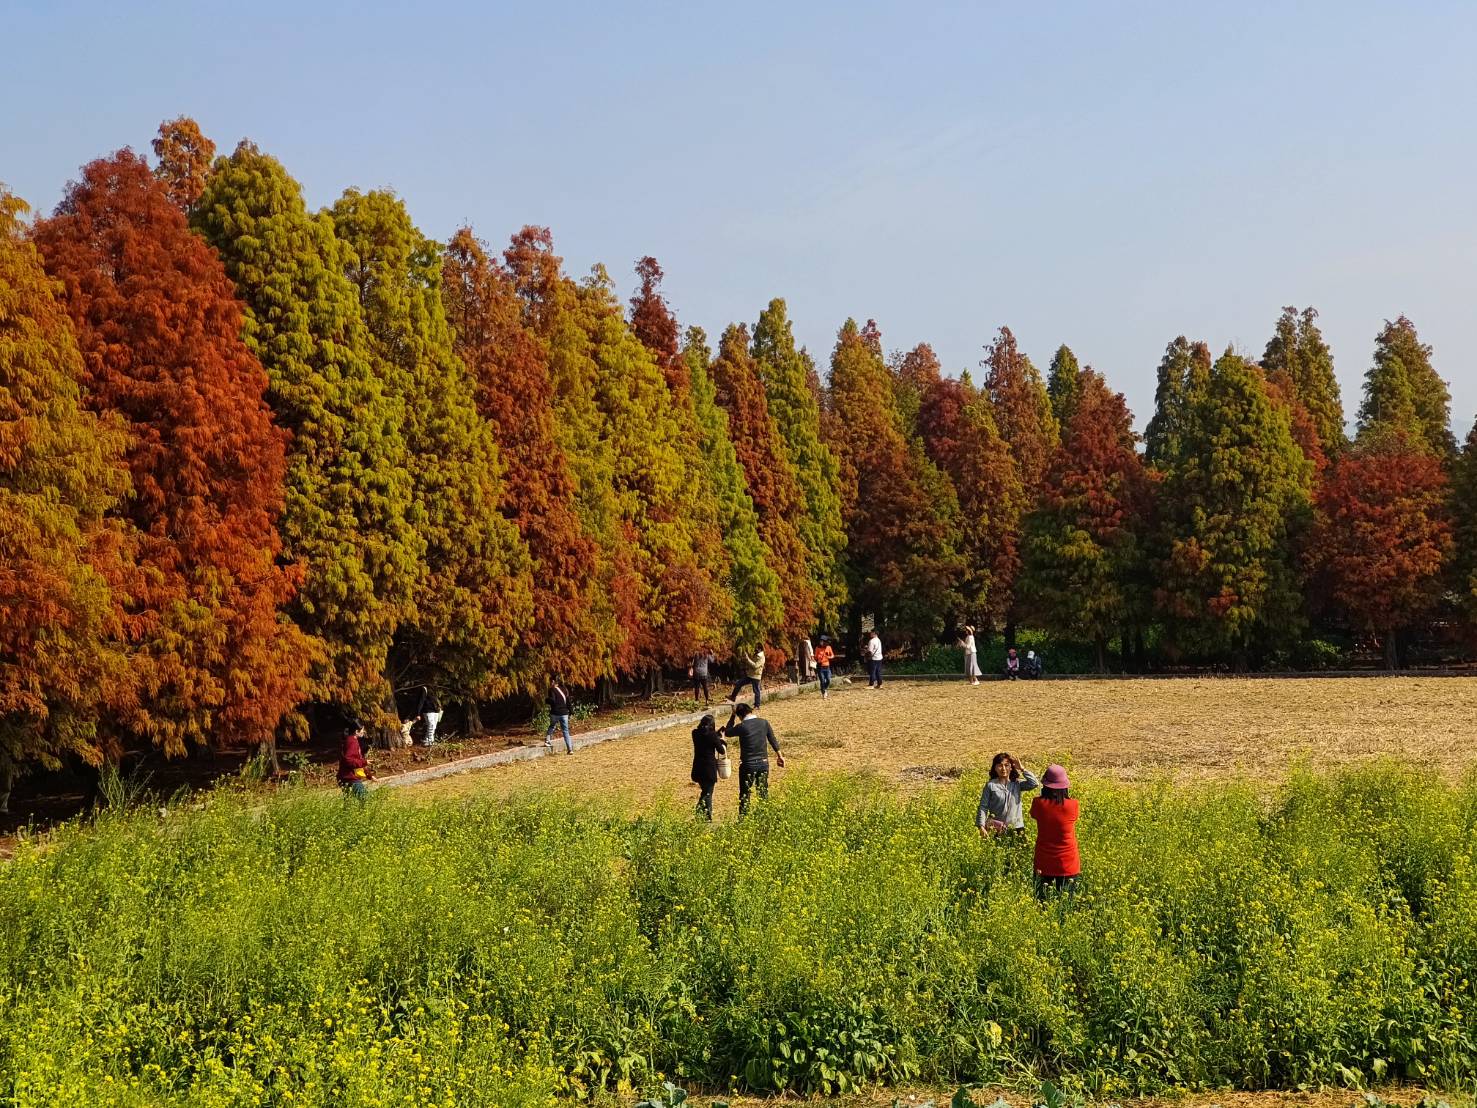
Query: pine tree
x,y
184,159
902,560
61,473
1233,501
958,432
770,477
214,660
348,490
509,365
1062,385
1183,370
787,377
1383,536
473,602
1082,544
1299,360
758,613
1022,409
1403,392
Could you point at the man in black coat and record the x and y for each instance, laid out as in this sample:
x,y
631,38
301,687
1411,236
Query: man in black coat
x,y
755,736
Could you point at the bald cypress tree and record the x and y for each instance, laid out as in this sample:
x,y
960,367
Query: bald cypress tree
x,y
1062,385
184,156
1463,512
1183,370
348,489
1299,360
786,376
1403,388
61,474
1022,409
473,600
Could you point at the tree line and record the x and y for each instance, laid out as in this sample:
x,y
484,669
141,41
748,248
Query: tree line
x,y
255,457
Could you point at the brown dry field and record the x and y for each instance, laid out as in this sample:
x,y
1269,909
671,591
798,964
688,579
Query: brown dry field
x,y
917,733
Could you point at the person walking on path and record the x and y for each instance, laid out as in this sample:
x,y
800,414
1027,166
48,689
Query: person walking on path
x,y
708,749
806,659
874,661
1057,863
353,768
754,667
971,656
559,709
755,736
698,671
824,656
1000,802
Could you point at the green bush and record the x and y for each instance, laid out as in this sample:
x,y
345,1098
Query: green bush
x,y
312,951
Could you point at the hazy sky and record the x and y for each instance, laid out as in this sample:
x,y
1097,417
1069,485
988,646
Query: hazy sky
x,y
1105,175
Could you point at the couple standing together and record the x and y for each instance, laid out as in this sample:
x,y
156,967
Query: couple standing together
x,y
710,751
1055,861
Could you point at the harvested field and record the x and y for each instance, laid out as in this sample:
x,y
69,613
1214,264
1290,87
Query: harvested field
x,y
925,733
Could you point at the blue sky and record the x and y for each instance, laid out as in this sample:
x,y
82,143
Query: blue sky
x,y
1105,175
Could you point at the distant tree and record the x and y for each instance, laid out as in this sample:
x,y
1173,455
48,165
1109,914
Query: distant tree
x,y
770,476
1463,512
184,159
1022,409
1404,393
903,564
348,487
1233,501
1383,536
214,660
1298,360
1183,369
61,474
1083,541
1063,386
473,599
758,613
791,391
509,365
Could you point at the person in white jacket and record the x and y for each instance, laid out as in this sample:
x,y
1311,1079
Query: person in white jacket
x,y
971,656
873,651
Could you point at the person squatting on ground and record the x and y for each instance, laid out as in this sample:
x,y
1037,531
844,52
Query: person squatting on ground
x,y
698,671
353,768
874,661
1056,862
1012,664
1032,669
708,749
1000,810
754,667
824,656
754,735
559,708
971,656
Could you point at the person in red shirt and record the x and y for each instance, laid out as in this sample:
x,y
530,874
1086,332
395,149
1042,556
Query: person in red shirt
x,y
353,767
1057,863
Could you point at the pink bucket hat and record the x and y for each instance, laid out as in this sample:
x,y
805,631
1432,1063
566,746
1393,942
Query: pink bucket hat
x,y
1055,778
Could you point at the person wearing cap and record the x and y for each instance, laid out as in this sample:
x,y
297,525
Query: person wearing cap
x,y
824,656
1057,863
1032,669
1012,664
353,768
1000,811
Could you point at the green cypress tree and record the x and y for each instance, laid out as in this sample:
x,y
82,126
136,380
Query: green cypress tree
x,y
1063,386
1183,370
1464,519
474,600
786,374
1236,496
348,489
1403,386
1298,359
758,608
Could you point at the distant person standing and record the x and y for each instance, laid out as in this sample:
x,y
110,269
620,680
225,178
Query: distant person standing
x,y
559,710
353,768
874,661
755,736
971,656
754,669
430,711
824,656
698,670
1057,863
708,749
807,659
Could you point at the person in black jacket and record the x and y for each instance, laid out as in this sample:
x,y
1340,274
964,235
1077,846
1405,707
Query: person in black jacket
x,y
708,748
753,734
559,707
429,710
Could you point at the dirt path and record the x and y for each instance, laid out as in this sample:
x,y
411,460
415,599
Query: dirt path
x,y
915,734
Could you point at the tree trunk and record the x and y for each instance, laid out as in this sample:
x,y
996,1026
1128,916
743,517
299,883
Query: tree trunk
x,y
266,756
474,719
604,692
1100,644
1392,654
1009,631
7,783
1140,651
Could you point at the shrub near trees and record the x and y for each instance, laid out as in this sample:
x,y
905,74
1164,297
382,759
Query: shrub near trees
x,y
256,459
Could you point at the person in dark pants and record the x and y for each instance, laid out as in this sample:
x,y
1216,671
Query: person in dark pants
x,y
559,708
754,667
754,735
1057,862
824,656
708,749
698,671
873,652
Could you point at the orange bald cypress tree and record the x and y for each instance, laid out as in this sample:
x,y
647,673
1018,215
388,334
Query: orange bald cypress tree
x,y
159,329
184,155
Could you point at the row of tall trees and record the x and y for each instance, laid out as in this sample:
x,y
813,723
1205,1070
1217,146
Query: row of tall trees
x,y
255,457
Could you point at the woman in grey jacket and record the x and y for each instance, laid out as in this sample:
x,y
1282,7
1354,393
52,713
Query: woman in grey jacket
x,y
1000,803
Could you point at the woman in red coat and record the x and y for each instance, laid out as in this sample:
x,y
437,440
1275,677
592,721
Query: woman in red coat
x,y
1057,863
